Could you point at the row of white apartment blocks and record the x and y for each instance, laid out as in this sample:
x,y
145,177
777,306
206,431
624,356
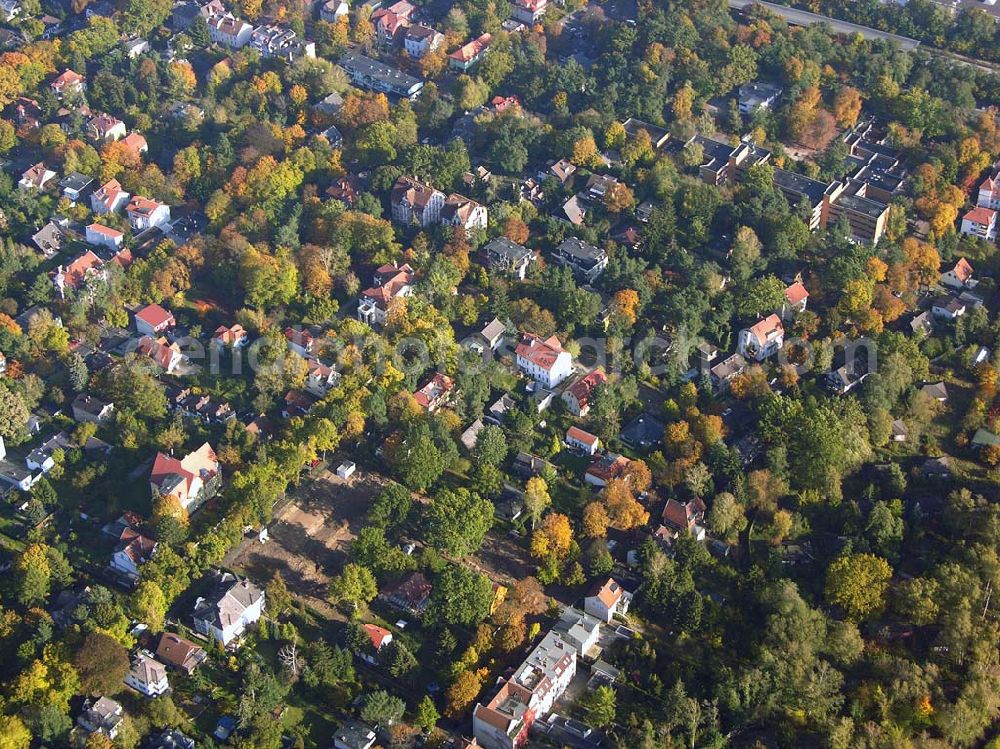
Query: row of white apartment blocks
x,y
503,722
269,40
415,202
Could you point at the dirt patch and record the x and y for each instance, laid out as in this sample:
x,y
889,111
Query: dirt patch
x,y
309,535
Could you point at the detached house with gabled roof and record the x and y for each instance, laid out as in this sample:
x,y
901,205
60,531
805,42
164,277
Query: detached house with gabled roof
x,y
436,392
508,257
148,676
153,320
958,277
465,212
144,213
607,599
191,480
36,177
167,356
226,612
229,31
108,198
763,339
104,236
68,81
530,12
415,202
981,223
390,23
577,396
989,194
176,652
104,127
84,268
391,282
796,299
132,551
543,360
470,53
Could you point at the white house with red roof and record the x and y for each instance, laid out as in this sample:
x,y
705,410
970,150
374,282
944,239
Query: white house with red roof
x,y
321,378
153,320
543,360
530,12
132,551
577,396
145,212
582,440
104,127
299,341
796,299
763,339
69,81
436,392
36,177
390,23
104,236
136,143
606,467
980,222
108,198
84,268
379,638
470,53
234,336
191,480
607,599
959,277
391,282
167,356
989,194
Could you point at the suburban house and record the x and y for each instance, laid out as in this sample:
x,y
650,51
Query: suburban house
x,y
606,600
229,31
796,298
344,189
299,341
281,42
411,594
493,334
133,551
333,10
88,408
176,652
543,360
144,213
167,356
577,396
414,202
763,339
104,236
320,377
108,198
391,22
470,53
36,177
84,268
391,282
379,638
529,12
49,239
153,320
136,143
727,370
758,95
227,611
75,186
528,695
681,517
373,75
586,260
582,440
606,467
171,738
989,194
948,308
420,39
102,715
578,629
67,82
459,210
563,171
104,127
508,257
234,336
981,223
959,277
436,392
191,480
148,676
353,734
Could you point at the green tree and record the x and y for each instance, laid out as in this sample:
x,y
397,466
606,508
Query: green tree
x,y
355,585
601,706
8,136
33,574
420,461
277,595
391,507
13,413
457,521
427,714
491,445
460,596
149,605
727,516
382,709
858,584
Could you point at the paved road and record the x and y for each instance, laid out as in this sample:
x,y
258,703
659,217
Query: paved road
x,y
798,17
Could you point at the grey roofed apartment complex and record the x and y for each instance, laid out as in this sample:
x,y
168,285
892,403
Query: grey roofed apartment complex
x,y
376,76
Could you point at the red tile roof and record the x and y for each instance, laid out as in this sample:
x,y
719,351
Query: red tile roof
x,y
378,635
579,435
154,315
541,353
583,388
796,293
472,50
981,216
